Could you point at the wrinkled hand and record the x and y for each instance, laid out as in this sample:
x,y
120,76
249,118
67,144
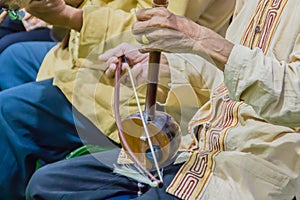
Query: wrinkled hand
x,y
159,29
137,61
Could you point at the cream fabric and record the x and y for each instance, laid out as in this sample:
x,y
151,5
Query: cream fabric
x,y
274,77
275,82
240,155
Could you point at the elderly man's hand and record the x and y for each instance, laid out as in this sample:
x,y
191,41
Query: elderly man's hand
x,y
137,61
157,29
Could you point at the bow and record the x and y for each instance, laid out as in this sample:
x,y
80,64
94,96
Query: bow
x,y
122,136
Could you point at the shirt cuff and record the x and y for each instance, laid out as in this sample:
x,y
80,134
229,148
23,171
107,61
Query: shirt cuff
x,y
234,66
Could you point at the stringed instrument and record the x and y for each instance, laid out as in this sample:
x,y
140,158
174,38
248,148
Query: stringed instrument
x,y
150,138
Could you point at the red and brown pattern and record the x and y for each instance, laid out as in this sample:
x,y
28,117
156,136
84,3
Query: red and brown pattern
x,y
193,177
271,21
195,174
264,20
249,33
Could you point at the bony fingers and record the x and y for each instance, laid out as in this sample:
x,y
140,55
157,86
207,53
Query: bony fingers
x,y
144,49
111,60
139,27
110,65
143,14
125,66
148,13
144,27
114,52
110,71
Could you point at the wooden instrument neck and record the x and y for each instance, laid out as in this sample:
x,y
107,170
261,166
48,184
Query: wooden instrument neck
x,y
153,74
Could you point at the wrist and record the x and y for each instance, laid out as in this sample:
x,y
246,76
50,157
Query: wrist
x,y
73,17
212,45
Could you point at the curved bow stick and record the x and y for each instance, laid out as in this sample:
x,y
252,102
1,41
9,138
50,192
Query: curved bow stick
x,y
120,129
151,137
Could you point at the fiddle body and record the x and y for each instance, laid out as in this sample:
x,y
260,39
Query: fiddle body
x,y
164,133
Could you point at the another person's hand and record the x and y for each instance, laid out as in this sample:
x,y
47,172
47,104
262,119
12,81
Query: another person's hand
x,y
46,9
56,12
31,22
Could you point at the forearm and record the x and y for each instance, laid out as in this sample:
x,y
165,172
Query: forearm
x,y
206,41
214,45
71,18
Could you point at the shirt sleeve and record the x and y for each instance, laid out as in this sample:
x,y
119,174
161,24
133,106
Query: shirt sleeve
x,y
270,86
